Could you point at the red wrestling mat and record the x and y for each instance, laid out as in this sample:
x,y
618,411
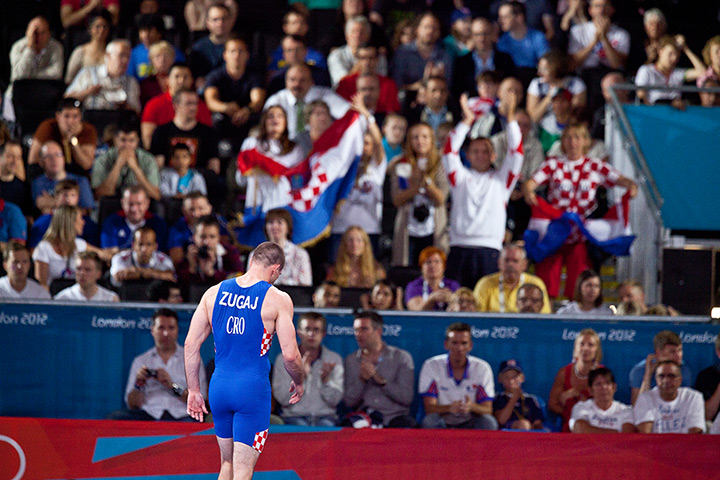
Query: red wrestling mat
x,y
59,449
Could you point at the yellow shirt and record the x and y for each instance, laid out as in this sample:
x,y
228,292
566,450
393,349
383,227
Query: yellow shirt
x,y
487,293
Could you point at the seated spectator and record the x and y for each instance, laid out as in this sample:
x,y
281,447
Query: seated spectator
x,y
150,31
530,299
178,179
296,23
667,345
327,295
67,192
379,376
342,61
655,26
156,387
431,291
368,95
383,296
300,90
162,57
355,266
364,204
632,291
16,284
553,75
462,300
587,299
708,383
117,229
53,166
162,291
142,262
160,110
484,57
13,188
196,12
423,58
524,44
278,229
295,51
56,254
709,99
669,408
108,86
319,120
207,259
368,62
124,165
571,382
457,389
480,195
513,408
233,94
601,413
207,53
78,139
92,53
75,13
663,73
498,292
603,112
435,109
459,41
180,235
35,56
324,374
88,270
419,189
394,128
711,58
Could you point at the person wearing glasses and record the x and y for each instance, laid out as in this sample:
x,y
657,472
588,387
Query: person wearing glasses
x,y
670,408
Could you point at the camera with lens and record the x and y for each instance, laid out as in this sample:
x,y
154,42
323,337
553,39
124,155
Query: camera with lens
x,y
152,372
204,252
421,213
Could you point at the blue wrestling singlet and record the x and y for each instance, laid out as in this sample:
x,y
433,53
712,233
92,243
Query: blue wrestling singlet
x,y
239,391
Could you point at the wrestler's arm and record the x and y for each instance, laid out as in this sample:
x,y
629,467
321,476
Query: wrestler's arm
x,y
288,341
200,328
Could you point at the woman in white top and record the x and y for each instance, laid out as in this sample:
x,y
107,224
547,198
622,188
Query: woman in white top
x,y
664,72
553,76
588,296
93,52
55,255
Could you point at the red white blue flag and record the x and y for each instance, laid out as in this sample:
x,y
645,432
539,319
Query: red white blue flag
x,y
309,190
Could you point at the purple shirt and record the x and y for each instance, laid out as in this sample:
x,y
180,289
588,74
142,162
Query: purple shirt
x,y
418,288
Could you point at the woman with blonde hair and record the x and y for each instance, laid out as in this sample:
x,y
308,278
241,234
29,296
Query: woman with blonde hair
x,y
711,57
55,255
419,189
571,382
577,195
355,266
162,57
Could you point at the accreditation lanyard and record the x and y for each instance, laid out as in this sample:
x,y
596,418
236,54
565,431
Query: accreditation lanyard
x,y
501,294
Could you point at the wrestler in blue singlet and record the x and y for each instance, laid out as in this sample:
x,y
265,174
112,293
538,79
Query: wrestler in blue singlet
x,y
239,391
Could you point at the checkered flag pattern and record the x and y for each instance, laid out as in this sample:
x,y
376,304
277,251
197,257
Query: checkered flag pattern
x,y
266,342
259,442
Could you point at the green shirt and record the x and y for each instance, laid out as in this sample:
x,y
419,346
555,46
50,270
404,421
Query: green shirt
x,y
104,163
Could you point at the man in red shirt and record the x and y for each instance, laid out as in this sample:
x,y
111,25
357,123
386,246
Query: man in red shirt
x,y
367,60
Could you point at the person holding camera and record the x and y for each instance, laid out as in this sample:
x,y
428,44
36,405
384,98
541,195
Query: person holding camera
x,y
156,387
208,261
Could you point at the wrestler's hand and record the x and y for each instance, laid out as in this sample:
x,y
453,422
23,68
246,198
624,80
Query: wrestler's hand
x,y
196,405
296,390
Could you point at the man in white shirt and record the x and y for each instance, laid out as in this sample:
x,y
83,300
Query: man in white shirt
x,y
599,42
88,270
669,408
156,387
299,91
601,413
457,388
16,284
142,261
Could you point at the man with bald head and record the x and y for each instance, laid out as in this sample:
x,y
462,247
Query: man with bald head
x,y
299,91
108,86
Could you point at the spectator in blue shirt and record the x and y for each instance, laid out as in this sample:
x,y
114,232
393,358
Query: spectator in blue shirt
x,y
118,228
52,161
525,45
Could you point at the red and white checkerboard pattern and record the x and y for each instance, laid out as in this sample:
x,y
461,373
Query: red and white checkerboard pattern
x,y
304,199
259,442
266,342
572,185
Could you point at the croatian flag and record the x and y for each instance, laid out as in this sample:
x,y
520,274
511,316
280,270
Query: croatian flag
x,y
309,190
549,228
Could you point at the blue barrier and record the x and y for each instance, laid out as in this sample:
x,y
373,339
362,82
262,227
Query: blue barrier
x,y
71,361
